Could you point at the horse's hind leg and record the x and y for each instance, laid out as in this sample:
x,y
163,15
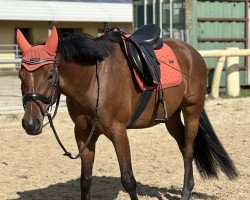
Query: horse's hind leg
x,y
176,129
191,110
185,137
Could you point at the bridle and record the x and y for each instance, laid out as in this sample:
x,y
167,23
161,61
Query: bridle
x,y
49,101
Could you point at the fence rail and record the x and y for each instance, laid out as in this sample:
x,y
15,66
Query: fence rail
x,y
230,58
9,56
10,48
10,61
227,52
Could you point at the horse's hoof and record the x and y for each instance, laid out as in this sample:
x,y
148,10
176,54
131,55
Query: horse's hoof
x,y
133,197
186,197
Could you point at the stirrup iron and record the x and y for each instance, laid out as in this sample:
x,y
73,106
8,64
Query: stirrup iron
x,y
163,103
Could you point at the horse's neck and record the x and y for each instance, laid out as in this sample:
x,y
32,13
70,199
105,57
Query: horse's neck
x,y
76,81
80,84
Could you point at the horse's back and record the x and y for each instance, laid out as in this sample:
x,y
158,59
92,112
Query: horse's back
x,y
194,71
190,60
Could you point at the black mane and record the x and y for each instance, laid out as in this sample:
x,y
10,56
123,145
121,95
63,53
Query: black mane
x,y
82,48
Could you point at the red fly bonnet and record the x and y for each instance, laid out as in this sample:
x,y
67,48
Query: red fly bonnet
x,y
35,57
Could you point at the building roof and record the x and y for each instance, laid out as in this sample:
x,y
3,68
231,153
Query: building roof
x,y
70,11
99,1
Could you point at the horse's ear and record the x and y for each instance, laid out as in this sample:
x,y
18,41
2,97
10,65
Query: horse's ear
x,y
51,44
23,44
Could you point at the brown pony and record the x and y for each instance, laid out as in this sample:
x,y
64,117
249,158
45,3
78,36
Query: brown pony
x,y
84,59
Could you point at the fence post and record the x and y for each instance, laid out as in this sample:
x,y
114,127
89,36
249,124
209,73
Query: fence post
x,y
217,76
233,75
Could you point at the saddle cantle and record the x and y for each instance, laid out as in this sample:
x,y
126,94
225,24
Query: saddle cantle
x,y
140,48
148,34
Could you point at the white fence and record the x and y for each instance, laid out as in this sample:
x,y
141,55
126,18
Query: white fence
x,y
230,57
9,56
9,48
10,61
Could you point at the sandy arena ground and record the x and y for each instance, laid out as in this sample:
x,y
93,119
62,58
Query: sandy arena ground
x,y
33,168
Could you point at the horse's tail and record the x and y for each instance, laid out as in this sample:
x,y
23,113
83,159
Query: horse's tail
x,y
209,154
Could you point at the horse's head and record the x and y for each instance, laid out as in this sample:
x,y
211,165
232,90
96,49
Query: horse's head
x,y
39,80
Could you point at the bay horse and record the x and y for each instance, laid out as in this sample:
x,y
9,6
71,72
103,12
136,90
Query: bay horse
x,y
80,59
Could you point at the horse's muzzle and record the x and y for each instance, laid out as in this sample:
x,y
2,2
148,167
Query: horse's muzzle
x,y
33,126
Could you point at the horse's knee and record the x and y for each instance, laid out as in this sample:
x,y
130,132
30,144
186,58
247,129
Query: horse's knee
x,y
86,183
128,182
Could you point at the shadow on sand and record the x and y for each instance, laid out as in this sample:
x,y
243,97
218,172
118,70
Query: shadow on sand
x,y
103,188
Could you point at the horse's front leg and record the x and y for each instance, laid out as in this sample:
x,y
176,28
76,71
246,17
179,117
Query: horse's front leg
x,y
120,141
87,160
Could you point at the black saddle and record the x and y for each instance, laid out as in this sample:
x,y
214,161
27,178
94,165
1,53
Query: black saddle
x,y
148,34
140,51
140,46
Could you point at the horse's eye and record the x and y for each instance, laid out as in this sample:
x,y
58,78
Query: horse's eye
x,y
20,75
51,76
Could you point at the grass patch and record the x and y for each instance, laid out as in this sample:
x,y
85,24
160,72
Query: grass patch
x,y
243,93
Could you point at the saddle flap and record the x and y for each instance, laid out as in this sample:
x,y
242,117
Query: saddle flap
x,y
143,58
134,58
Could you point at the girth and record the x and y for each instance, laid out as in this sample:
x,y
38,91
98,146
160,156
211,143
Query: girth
x,y
140,107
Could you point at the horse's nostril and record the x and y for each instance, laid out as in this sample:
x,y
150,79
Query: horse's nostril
x,y
32,126
37,123
23,124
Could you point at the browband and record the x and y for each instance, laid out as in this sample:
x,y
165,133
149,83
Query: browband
x,y
34,61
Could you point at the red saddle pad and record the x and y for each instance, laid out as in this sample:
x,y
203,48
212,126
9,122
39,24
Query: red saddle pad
x,y
170,69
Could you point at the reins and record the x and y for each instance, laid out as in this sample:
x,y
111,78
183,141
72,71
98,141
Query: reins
x,y
37,98
94,122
